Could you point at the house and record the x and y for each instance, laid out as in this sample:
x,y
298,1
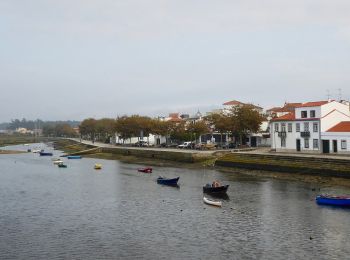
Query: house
x,y
337,138
305,129
234,103
281,111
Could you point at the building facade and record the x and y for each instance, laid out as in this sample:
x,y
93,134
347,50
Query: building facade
x,y
304,130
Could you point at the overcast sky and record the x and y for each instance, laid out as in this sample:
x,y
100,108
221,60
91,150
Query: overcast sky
x,y
72,59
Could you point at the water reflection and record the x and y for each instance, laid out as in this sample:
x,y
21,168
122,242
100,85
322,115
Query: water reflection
x,y
80,213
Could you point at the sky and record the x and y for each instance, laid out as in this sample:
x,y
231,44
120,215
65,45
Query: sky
x,y
74,59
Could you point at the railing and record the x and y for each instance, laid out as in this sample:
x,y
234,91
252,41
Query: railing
x,y
305,134
282,134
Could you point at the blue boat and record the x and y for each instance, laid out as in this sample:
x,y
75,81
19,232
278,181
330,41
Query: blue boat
x,y
74,157
341,201
45,154
166,181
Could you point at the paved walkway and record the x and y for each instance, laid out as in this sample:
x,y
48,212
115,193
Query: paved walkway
x,y
99,144
260,150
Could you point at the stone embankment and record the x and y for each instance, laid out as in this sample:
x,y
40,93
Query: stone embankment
x,y
317,165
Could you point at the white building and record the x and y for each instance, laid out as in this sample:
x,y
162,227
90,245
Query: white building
x,y
304,130
337,138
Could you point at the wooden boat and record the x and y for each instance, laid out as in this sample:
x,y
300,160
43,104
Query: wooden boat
x,y
212,202
341,201
61,165
166,181
98,166
74,157
45,154
57,161
208,188
145,170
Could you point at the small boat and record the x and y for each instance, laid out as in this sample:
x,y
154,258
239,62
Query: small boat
x,y
74,157
98,166
37,150
61,165
341,201
166,181
57,161
145,170
212,202
45,154
29,150
215,189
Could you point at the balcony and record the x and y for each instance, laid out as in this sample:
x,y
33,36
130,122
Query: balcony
x,y
305,134
282,134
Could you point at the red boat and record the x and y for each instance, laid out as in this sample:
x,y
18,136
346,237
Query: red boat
x,y
145,170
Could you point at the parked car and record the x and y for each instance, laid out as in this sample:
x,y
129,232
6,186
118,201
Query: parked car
x,y
228,146
185,145
199,146
141,144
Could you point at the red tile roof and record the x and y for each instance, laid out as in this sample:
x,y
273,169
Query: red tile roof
x,y
287,117
341,127
233,103
313,104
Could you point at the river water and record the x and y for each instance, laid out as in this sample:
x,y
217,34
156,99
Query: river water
x,y
77,212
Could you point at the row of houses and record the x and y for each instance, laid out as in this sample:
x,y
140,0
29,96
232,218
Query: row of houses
x,y
312,127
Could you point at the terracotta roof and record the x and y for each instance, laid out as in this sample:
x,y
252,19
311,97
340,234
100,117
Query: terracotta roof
x,y
274,109
341,127
314,104
287,117
233,103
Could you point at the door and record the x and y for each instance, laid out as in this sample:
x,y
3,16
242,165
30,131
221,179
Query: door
x,y
253,141
325,146
298,145
335,146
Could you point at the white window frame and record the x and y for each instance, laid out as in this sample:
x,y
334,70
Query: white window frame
x,y
315,127
297,127
306,143
306,127
315,141
276,127
290,127
343,144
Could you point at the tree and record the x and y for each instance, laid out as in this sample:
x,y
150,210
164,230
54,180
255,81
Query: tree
x,y
244,120
196,129
88,128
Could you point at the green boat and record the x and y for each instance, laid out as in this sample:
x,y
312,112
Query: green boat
x,y
61,165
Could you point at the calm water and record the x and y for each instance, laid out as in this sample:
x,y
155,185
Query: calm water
x,y
48,212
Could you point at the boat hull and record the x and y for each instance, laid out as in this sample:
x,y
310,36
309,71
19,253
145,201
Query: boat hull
x,y
169,182
212,202
215,190
74,157
145,170
340,201
45,154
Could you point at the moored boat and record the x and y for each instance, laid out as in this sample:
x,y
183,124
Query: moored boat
x,y
58,161
215,188
167,181
98,166
145,170
341,201
74,157
61,165
45,154
212,202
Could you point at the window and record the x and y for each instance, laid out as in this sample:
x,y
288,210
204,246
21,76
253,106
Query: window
x,y
306,143
343,144
283,142
312,113
297,127
303,114
290,127
276,127
315,143
283,127
306,127
315,127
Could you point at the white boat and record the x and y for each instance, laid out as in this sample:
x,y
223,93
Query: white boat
x,y
98,166
212,202
37,150
58,161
